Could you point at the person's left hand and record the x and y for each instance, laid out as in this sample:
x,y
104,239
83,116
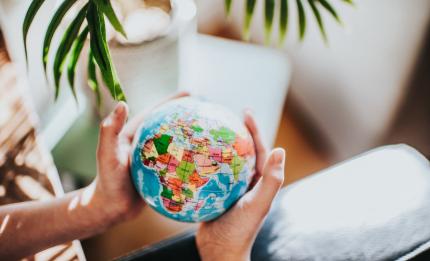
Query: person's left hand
x,y
112,196
231,236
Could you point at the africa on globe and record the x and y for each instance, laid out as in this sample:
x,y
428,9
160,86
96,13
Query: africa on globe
x,y
192,160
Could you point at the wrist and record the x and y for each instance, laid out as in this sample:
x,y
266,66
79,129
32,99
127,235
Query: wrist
x,y
212,251
97,208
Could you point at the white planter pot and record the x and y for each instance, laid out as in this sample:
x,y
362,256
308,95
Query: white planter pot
x,y
150,71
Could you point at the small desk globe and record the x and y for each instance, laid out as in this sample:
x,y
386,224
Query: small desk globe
x,y
192,160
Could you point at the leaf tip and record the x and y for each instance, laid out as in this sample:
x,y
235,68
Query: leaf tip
x,y
267,37
246,35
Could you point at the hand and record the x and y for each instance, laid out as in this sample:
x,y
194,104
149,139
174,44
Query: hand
x,y
231,236
112,195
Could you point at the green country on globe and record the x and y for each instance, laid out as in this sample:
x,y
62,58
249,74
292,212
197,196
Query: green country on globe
x,y
192,160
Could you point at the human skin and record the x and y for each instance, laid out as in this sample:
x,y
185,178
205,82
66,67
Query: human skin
x,y
29,227
231,236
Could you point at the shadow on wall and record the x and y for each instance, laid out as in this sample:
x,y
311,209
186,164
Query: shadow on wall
x,y
412,125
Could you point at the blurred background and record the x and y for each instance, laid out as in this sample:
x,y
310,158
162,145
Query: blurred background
x,y
368,86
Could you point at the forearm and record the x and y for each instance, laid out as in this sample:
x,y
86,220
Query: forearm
x,y
28,227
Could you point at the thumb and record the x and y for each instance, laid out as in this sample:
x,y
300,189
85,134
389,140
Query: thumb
x,y
110,129
238,228
259,199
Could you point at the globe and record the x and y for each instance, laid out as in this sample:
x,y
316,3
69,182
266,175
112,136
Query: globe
x,y
192,160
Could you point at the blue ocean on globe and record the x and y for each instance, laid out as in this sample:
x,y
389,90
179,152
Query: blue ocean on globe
x,y
192,160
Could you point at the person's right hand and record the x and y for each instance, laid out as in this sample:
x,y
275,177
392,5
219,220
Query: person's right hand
x,y
231,236
112,197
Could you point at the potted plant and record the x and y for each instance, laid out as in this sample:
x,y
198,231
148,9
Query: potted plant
x,y
148,60
90,22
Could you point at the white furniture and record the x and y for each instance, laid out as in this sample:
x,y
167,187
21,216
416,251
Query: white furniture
x,y
374,206
239,76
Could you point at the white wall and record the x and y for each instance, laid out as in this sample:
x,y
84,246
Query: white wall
x,y
351,88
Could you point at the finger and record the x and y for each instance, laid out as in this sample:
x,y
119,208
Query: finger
x,y
259,199
110,129
259,147
134,123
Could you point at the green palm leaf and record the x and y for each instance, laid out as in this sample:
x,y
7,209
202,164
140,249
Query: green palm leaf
x,y
318,18
228,4
100,51
269,13
330,9
72,42
74,54
249,12
106,7
52,27
29,17
302,19
65,45
92,78
283,21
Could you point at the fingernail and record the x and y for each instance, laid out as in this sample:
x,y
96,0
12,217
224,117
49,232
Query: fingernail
x,y
248,111
120,107
279,156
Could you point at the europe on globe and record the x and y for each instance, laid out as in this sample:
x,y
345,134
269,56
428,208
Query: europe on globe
x,y
192,160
